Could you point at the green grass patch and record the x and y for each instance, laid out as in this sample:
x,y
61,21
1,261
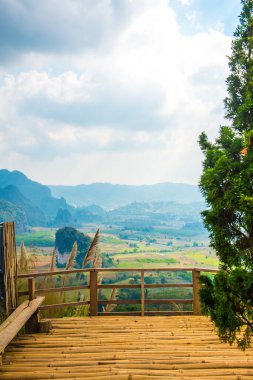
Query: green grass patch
x,y
131,261
154,260
203,258
110,240
42,238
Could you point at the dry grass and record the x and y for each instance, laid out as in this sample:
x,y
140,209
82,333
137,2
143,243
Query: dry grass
x,y
72,256
113,297
25,262
92,252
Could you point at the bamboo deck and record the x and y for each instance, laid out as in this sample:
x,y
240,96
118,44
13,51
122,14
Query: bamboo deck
x,y
97,348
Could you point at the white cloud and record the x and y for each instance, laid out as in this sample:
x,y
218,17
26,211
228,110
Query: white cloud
x,y
185,2
64,88
127,109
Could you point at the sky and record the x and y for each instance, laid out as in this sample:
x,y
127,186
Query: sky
x,y
112,90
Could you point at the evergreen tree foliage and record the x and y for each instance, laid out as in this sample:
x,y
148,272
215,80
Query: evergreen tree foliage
x,y
227,185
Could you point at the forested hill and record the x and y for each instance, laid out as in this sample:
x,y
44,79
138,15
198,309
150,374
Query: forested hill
x,y
39,195
27,202
110,196
30,189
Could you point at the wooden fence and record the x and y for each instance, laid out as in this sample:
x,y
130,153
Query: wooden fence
x,y
93,287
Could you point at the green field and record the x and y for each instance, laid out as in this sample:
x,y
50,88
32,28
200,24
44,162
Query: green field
x,y
37,238
152,251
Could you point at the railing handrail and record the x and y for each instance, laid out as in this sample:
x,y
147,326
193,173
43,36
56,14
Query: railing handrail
x,y
71,271
94,286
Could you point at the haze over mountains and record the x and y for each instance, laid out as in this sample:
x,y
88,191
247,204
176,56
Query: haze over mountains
x,y
110,196
30,203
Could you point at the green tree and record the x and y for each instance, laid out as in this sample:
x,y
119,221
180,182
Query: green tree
x,y
65,238
227,185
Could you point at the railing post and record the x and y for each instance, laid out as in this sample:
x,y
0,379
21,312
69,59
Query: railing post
x,y
32,325
31,288
196,287
93,292
142,294
8,268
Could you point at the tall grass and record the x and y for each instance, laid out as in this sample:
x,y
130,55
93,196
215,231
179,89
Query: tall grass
x,y
92,258
109,307
92,253
70,262
72,256
26,263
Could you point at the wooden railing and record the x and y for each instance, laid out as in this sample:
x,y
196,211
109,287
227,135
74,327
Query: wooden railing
x,y
93,287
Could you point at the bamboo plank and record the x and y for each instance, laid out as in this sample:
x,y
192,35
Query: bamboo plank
x,y
7,334
121,313
109,372
13,315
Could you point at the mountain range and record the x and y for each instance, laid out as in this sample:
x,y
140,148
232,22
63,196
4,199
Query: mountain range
x,y
110,196
30,203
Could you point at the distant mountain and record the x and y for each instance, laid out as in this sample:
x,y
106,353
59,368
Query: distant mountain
x,y
145,216
141,208
111,196
34,216
90,214
10,212
39,195
158,211
141,215
30,189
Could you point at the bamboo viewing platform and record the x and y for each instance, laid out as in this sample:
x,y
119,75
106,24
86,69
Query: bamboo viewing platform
x,y
132,345
124,348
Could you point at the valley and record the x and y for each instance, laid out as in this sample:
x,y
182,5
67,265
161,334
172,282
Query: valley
x,y
139,250
161,227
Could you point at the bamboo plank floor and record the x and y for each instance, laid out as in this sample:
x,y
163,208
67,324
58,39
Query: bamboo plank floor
x,y
181,347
